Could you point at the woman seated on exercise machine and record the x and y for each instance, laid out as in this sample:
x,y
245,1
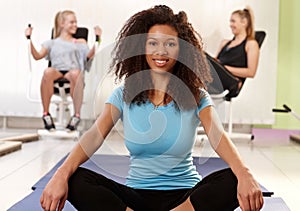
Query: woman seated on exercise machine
x,y
68,56
239,55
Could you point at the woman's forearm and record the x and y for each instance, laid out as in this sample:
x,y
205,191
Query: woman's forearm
x,y
228,152
35,54
91,53
220,141
242,72
89,142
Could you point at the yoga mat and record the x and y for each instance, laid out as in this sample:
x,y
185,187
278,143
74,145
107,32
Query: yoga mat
x,y
116,167
9,146
32,203
22,138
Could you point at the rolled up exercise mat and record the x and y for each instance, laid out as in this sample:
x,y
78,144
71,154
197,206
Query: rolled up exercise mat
x,y
22,138
9,146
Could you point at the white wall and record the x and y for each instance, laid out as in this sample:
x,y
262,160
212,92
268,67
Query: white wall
x,y
210,18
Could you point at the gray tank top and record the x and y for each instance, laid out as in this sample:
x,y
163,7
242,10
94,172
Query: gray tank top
x,y
65,55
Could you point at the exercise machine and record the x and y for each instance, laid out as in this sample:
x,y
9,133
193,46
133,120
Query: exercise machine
x,y
287,109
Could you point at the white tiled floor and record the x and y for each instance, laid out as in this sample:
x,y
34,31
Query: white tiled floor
x,y
275,164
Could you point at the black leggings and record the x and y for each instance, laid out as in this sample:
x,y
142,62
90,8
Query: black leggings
x,y
91,191
223,79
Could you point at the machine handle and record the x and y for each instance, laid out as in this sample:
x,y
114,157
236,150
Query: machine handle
x,y
279,110
28,36
287,108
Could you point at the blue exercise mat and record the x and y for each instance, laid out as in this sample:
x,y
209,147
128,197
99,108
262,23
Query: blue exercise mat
x,y
116,168
32,203
111,166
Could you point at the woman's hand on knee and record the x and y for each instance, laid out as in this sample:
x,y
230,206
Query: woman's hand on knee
x,y
55,194
249,194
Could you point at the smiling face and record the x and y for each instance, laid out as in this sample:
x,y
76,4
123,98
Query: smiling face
x,y
237,24
69,23
162,48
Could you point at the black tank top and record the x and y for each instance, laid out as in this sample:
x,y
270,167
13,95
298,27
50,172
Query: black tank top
x,y
235,56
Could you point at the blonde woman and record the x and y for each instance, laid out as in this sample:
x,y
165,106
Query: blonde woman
x,y
67,56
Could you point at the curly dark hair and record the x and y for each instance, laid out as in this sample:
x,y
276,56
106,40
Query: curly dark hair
x,y
129,58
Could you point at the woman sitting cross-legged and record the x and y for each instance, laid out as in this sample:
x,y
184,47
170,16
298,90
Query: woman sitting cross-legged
x,y
161,103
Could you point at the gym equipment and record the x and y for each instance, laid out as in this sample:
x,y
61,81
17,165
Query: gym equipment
x,y
13,143
9,146
287,109
22,138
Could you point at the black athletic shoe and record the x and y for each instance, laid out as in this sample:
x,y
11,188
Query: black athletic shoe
x,y
74,122
48,122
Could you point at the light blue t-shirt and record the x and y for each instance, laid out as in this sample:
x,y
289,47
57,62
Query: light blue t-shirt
x,y
65,55
160,142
